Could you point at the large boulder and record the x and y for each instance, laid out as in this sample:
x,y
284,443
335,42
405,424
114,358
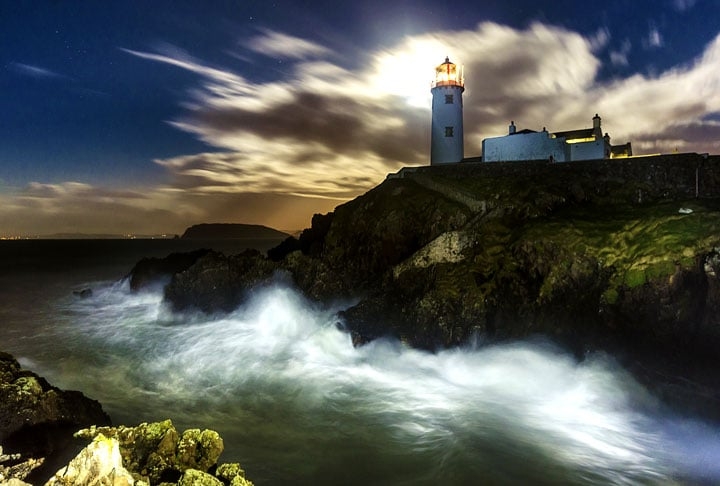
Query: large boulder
x,y
219,283
157,453
98,463
37,420
149,271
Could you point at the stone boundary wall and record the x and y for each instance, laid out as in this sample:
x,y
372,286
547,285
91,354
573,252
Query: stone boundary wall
x,y
672,176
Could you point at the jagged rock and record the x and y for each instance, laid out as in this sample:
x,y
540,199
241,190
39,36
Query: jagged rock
x,y
13,468
193,477
232,474
593,254
310,242
151,270
99,463
217,282
155,452
37,420
84,293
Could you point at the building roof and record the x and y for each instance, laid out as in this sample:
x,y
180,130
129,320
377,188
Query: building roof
x,y
524,130
573,134
624,149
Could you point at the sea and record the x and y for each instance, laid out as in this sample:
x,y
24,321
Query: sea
x,y
296,403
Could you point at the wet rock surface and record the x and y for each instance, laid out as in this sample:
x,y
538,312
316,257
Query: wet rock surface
x,y
617,255
149,271
37,420
155,453
40,441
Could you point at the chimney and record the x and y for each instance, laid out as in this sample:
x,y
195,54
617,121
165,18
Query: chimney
x,y
512,127
597,131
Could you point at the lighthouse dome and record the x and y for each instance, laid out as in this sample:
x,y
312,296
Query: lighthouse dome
x,y
448,74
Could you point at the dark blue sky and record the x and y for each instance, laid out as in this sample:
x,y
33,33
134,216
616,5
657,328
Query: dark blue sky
x,y
162,114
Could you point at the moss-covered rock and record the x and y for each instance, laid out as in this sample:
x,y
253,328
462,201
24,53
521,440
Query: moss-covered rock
x,y
98,463
37,420
592,254
193,477
155,452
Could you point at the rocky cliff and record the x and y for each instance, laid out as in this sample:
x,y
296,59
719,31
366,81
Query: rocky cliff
x,y
619,254
40,442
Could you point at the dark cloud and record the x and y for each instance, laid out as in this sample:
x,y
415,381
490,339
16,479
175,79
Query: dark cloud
x,y
700,136
284,150
339,124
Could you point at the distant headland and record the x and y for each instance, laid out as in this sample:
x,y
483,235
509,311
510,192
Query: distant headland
x,y
217,231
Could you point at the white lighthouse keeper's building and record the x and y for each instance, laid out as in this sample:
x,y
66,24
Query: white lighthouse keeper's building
x,y
446,143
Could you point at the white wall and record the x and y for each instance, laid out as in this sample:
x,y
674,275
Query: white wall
x,y
587,150
524,146
445,150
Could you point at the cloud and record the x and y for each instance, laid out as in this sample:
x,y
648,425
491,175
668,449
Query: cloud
x,y
178,58
320,133
78,207
323,119
620,57
323,131
654,38
683,5
35,71
600,39
279,45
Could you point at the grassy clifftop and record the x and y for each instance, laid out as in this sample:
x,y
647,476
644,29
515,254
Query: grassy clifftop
x,y
607,249
595,255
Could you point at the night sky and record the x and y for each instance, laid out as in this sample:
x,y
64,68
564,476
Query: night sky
x,y
150,116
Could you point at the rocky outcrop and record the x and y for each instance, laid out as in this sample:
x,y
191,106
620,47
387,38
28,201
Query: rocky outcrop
x,y
149,271
154,453
98,463
37,420
216,282
39,435
617,254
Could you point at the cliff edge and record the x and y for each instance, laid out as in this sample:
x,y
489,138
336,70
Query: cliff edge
x,y
620,255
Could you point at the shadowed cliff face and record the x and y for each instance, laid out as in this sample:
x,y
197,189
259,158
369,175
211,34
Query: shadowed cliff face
x,y
619,254
585,253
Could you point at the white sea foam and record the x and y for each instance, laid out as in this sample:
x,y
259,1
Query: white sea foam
x,y
278,370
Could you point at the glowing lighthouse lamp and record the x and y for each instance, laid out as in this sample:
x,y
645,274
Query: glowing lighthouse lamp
x,y
446,143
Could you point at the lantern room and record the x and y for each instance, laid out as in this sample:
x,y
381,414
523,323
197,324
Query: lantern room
x,y
448,74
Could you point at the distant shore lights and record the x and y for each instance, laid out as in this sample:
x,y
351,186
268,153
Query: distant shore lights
x,y
446,143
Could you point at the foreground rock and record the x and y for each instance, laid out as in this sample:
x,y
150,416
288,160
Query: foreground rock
x,y
39,436
151,453
37,420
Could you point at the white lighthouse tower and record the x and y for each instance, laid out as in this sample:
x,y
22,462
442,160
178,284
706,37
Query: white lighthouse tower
x,y
446,144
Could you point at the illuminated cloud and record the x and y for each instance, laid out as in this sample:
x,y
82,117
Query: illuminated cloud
x,y
320,133
620,57
323,131
600,39
654,38
35,71
279,45
78,207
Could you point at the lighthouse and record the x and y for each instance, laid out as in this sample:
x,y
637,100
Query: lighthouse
x,y
446,143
